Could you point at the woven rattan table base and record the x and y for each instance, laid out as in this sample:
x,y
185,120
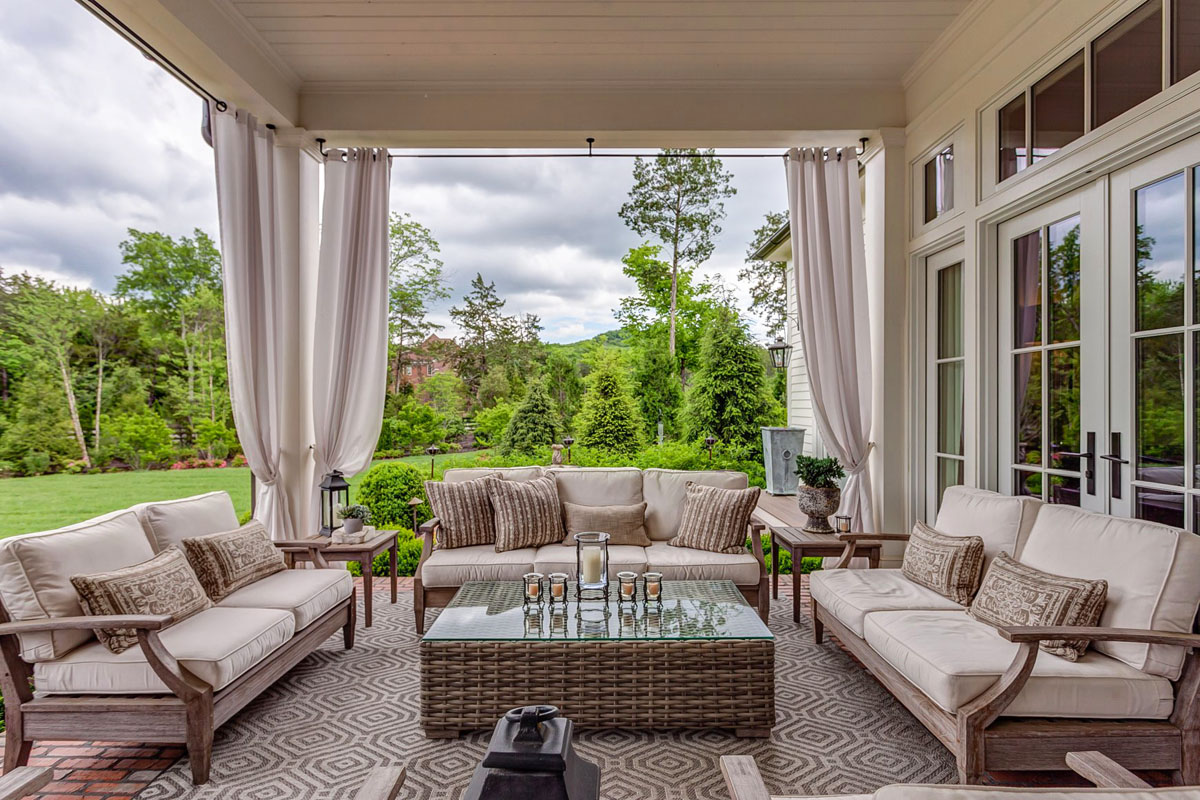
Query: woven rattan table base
x,y
649,685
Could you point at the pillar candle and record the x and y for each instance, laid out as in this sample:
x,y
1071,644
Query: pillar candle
x,y
591,564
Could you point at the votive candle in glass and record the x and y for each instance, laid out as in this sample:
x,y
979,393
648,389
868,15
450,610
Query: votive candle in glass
x,y
558,587
843,523
533,587
653,582
627,587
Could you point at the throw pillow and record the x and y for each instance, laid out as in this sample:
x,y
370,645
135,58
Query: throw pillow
x,y
225,562
1012,593
623,524
949,565
165,584
528,513
715,519
464,510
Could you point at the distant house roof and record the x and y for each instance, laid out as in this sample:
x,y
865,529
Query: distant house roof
x,y
773,249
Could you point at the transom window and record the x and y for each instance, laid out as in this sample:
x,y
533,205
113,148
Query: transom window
x,y
939,184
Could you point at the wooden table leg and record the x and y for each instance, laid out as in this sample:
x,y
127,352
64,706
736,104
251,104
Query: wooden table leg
x,y
797,560
774,567
873,558
392,559
367,571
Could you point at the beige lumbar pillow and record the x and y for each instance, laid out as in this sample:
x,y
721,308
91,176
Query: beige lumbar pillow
x,y
715,519
1014,594
949,565
623,524
528,513
464,512
225,562
165,584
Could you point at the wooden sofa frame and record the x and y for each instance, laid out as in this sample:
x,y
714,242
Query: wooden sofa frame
x,y
981,741
758,595
190,714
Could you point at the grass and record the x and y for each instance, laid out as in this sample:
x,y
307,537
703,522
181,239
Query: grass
x,y
51,501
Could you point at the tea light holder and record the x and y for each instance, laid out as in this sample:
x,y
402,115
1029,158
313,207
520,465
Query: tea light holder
x,y
652,587
558,588
592,621
626,588
531,591
843,523
591,564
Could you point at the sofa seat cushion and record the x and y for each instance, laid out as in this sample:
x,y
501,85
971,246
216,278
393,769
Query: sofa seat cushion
x,y
307,593
170,522
621,557
850,594
1002,522
688,564
953,659
217,646
478,562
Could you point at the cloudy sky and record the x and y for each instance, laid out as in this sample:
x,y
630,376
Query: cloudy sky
x,y
95,139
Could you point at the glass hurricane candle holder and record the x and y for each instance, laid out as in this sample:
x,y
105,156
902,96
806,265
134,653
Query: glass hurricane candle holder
x,y
626,587
532,591
652,587
558,587
843,523
591,563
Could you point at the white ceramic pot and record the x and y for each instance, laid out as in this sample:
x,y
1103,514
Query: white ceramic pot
x,y
352,526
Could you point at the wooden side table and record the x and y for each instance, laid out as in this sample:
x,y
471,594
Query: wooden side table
x,y
802,544
364,553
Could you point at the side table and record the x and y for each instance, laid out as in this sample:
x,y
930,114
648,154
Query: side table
x,y
364,552
802,544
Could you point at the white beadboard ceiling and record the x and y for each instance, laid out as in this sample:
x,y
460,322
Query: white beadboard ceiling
x,y
694,44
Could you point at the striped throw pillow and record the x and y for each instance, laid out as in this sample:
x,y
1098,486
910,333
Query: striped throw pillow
x,y
464,511
715,519
528,513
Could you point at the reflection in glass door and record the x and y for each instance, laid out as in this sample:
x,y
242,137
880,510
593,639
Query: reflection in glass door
x,y
946,376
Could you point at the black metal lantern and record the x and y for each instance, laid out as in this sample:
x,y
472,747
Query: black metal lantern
x,y
781,352
567,442
335,492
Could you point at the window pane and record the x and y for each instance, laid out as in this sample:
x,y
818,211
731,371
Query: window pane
x,y
1186,38
1127,63
949,473
1063,412
1027,289
1158,393
1058,107
1063,490
1156,505
1063,279
1027,377
1161,226
939,184
931,204
950,408
1012,138
1027,483
950,312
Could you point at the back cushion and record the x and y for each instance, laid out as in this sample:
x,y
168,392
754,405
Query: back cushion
x,y
599,486
170,522
1003,522
664,491
460,474
1151,572
36,570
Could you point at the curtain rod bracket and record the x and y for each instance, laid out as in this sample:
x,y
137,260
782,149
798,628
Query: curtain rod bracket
x,y
321,146
591,140
863,142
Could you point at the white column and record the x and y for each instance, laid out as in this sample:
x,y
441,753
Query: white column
x,y
887,290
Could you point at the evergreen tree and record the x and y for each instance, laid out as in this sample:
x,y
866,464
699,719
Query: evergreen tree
x,y
565,385
728,398
767,280
534,424
609,419
659,394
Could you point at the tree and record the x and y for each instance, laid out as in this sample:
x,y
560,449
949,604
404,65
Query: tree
x,y
413,427
767,280
678,198
415,282
565,385
38,421
659,393
609,418
494,388
138,438
445,393
483,323
490,424
534,424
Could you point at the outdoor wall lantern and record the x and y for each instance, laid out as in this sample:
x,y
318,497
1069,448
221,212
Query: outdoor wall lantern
x,y
781,352
567,442
335,492
432,452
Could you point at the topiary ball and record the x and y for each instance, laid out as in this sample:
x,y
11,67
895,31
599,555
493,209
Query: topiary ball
x,y
386,490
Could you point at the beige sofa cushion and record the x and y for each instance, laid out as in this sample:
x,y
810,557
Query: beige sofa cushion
x,y
953,659
556,558
599,486
850,594
625,525
527,513
36,570
460,474
916,791
1002,522
665,489
478,562
217,646
688,564
949,565
1151,572
170,522
307,593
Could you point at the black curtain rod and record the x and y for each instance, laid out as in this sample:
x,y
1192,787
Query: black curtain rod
x,y
589,154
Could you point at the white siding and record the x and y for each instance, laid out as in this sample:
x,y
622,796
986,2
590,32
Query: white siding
x,y
799,399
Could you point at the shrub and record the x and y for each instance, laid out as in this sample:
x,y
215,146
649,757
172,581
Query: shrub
x,y
414,426
386,490
534,424
819,473
35,463
490,424
609,419
7,469
137,438
408,555
215,439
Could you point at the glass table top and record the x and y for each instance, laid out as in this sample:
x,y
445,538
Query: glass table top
x,y
493,611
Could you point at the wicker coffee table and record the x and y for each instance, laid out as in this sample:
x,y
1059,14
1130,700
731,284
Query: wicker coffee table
x,y
702,660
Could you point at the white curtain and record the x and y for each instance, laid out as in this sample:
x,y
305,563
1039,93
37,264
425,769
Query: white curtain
x,y
829,262
351,342
254,279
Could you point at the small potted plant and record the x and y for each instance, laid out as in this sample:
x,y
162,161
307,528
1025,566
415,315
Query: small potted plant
x,y
353,517
818,494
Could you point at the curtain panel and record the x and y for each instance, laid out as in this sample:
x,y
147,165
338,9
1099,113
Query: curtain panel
x,y
829,267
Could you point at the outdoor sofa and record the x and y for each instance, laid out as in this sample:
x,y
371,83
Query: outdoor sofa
x,y
989,694
441,572
181,681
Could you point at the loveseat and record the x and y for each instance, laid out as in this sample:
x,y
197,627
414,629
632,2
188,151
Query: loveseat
x,y
988,693
441,572
182,680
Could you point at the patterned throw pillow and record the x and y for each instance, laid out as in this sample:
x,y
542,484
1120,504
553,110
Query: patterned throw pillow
x,y
528,513
1015,594
464,510
623,524
165,584
225,562
949,565
715,519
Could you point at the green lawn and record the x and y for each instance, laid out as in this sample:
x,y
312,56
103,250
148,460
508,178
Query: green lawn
x,y
51,501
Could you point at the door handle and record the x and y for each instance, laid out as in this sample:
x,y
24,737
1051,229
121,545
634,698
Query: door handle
x,y
1115,461
1089,459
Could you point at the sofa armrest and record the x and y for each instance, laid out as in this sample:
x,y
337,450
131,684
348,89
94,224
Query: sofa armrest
x,y
24,781
145,622
756,546
1103,771
429,526
311,547
743,779
1042,633
383,783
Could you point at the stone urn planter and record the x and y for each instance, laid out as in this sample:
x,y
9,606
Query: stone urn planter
x,y
818,505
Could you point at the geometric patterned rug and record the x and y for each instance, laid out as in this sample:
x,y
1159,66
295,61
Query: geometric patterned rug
x,y
318,732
